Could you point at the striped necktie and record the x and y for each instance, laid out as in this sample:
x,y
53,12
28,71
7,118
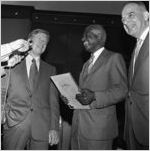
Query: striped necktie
x,y
90,63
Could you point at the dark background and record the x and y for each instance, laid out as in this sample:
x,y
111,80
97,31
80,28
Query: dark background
x,y
65,50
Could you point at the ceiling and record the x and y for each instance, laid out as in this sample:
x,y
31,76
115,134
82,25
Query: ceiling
x,y
100,7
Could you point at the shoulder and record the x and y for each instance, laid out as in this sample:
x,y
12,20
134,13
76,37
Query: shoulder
x,y
114,55
48,66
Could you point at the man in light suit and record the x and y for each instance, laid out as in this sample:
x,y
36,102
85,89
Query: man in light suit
x,y
103,84
32,109
135,20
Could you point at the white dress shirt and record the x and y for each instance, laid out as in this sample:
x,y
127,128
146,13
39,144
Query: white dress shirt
x,y
29,62
97,54
94,57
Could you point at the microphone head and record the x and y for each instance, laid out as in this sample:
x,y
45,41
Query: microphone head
x,y
30,42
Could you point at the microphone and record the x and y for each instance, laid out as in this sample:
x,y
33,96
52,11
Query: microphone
x,y
25,53
21,53
16,52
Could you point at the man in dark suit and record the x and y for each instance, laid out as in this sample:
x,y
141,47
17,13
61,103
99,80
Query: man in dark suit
x,y
103,84
32,109
135,20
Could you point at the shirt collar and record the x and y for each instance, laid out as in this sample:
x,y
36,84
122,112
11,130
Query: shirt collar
x,y
30,57
97,53
144,34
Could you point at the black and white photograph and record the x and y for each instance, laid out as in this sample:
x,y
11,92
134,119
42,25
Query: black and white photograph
x,y
74,75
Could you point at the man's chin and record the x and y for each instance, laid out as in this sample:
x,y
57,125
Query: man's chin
x,y
132,32
88,49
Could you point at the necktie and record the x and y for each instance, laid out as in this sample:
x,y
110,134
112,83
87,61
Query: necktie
x,y
138,46
33,74
90,63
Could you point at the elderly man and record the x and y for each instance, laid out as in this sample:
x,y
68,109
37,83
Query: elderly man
x,y
103,84
135,20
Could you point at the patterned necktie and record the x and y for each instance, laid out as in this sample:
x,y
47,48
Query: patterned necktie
x,y
136,52
90,63
33,74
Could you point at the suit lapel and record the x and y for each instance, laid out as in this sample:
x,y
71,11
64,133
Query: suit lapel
x,y
84,72
22,71
85,76
131,68
141,54
99,61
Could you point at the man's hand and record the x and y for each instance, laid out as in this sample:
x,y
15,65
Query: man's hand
x,y
86,97
53,137
14,60
11,63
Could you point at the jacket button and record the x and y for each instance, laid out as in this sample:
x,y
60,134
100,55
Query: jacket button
x,y
130,102
129,94
31,109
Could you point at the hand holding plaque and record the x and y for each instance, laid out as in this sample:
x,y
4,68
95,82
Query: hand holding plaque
x,y
68,89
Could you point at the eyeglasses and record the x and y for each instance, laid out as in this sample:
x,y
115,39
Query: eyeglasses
x,y
128,17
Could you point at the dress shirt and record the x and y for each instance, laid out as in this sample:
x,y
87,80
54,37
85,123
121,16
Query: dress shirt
x,y
94,57
29,62
97,54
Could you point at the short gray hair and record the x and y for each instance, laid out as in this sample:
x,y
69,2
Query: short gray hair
x,y
36,31
99,28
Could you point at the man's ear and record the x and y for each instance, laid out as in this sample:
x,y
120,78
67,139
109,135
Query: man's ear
x,y
99,36
146,15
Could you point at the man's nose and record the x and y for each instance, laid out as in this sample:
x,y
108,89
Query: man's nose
x,y
125,20
85,42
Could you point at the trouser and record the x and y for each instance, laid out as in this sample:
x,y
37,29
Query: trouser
x,y
131,141
19,136
80,143
66,136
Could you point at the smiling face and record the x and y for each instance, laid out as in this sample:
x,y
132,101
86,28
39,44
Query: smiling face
x,y
39,43
134,19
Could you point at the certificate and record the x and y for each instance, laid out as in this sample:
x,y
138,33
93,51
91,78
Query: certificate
x,y
68,88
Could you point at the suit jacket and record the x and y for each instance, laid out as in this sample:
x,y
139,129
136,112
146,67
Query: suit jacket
x,y
108,80
137,104
42,102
